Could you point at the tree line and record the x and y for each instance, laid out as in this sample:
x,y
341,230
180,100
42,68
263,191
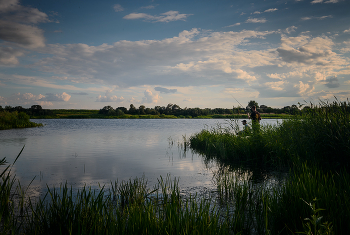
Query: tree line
x,y
176,110
170,109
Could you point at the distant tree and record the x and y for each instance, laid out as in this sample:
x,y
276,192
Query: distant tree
x,y
132,109
123,109
8,108
106,110
252,103
1,109
119,112
142,110
36,107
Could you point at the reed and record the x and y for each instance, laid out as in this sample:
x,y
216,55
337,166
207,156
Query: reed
x,y
320,136
283,208
126,208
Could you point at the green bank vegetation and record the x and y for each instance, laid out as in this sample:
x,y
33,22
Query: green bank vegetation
x,y
314,148
15,120
164,112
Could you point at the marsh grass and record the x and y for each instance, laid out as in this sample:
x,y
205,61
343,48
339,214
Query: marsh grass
x,y
126,208
315,146
129,207
320,136
287,208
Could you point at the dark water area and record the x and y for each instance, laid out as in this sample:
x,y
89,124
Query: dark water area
x,y
95,152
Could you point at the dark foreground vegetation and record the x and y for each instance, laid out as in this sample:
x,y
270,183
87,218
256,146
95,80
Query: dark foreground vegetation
x,y
314,146
313,199
15,120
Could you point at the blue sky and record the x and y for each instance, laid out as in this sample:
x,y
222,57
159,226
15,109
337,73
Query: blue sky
x,y
89,54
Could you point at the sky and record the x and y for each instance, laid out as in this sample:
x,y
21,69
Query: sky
x,y
200,53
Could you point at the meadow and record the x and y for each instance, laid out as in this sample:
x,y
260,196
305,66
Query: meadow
x,y
313,198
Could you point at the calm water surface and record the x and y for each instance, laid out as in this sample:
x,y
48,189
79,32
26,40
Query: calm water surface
x,y
92,151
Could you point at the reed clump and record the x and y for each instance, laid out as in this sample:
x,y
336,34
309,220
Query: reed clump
x,y
15,120
320,136
125,208
314,146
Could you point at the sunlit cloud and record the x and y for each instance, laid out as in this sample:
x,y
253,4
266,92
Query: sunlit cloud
x,y
256,20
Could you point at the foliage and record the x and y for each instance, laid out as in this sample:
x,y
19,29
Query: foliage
x,y
15,120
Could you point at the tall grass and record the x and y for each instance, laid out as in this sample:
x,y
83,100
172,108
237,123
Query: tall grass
x,y
314,145
282,209
320,136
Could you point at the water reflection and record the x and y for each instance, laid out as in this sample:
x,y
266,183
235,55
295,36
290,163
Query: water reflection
x,y
91,152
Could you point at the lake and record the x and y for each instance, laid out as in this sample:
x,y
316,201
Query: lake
x,y
97,151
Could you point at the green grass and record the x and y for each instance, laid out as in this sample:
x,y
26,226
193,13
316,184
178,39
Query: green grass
x,y
314,146
15,120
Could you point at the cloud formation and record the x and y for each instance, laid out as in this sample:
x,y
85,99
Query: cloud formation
x,y
332,82
165,90
109,98
17,24
256,20
55,97
164,17
149,97
317,18
322,1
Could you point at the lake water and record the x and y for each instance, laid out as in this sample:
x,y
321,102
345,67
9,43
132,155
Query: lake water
x,y
97,151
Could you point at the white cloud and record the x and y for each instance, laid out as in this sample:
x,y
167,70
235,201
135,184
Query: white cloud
x,y
30,99
271,10
55,97
118,8
317,18
193,58
266,11
108,98
149,97
256,20
346,31
290,29
232,25
164,17
322,1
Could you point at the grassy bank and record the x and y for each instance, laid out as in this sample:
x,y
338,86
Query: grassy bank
x,y
15,120
314,147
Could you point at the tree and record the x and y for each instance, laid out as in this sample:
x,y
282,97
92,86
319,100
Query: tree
x,y
142,110
252,103
123,109
106,110
36,107
132,109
